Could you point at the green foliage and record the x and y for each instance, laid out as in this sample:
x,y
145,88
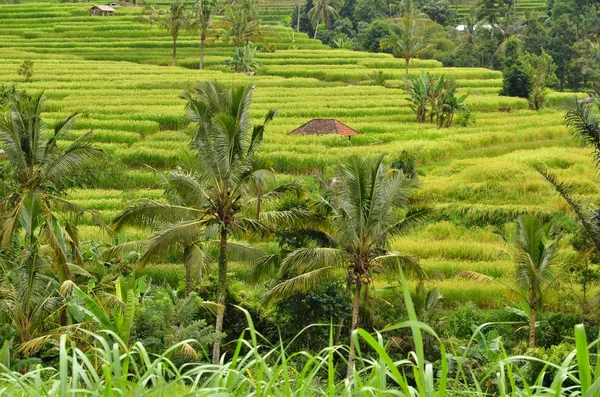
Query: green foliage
x,y
244,60
407,163
432,98
26,70
376,78
164,319
370,37
241,23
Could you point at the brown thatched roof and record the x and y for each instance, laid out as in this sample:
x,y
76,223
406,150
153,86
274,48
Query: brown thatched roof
x,y
324,127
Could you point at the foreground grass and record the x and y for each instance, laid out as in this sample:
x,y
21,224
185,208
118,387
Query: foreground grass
x,y
259,369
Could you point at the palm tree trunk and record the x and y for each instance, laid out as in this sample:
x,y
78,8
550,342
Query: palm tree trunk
x,y
174,51
354,326
202,47
222,292
316,29
532,320
407,60
340,325
258,202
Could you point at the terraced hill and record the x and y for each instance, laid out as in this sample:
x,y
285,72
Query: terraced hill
x,y
476,175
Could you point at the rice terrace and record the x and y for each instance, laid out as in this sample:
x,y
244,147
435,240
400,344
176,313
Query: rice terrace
x,y
300,198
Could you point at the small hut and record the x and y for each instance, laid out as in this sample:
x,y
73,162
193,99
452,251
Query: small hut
x,y
102,11
324,127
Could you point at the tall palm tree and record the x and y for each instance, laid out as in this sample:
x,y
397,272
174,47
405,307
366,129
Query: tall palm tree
x,y
215,193
174,20
361,202
202,21
324,11
39,169
408,44
534,252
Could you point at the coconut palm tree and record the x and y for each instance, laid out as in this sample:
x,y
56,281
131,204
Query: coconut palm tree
x,y
534,252
214,193
361,202
202,21
324,11
408,44
174,20
39,171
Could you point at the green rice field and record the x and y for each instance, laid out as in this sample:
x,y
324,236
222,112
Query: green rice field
x,y
112,69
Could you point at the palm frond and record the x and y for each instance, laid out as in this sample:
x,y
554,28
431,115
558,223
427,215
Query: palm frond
x,y
72,158
565,191
153,214
265,267
171,237
415,216
393,261
297,285
479,277
305,260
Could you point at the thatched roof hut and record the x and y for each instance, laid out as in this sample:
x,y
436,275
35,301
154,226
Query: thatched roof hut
x,y
102,11
324,127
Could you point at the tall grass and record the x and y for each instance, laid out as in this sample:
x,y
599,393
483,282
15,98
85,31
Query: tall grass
x,y
257,368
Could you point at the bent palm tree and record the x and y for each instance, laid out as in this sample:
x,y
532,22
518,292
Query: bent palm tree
x,y
39,170
323,11
361,202
214,192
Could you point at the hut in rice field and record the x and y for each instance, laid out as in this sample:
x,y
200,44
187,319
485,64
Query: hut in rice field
x,y
324,127
102,11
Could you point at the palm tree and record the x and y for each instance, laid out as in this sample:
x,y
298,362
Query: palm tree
x,y
202,20
534,251
361,201
241,22
323,11
174,20
28,296
408,44
215,192
40,169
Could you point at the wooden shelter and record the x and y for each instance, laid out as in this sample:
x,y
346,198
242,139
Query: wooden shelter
x,y
102,11
324,127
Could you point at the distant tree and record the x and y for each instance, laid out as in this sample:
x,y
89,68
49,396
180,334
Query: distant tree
x,y
369,10
491,11
202,21
370,38
174,20
541,72
406,45
439,11
242,25
26,70
535,36
562,37
591,63
304,24
324,11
